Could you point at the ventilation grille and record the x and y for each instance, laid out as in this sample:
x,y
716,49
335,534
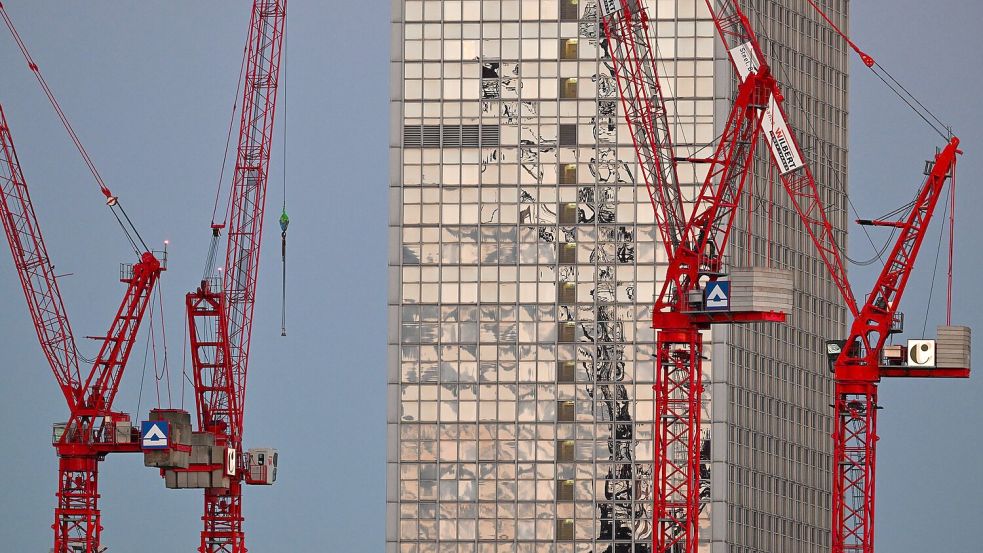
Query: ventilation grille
x,y
450,136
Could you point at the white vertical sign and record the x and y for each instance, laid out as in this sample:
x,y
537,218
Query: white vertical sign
x,y
745,60
780,138
609,7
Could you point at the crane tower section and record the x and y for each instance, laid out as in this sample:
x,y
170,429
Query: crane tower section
x,y
220,312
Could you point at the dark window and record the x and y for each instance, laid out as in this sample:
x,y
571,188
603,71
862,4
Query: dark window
x,y
564,529
566,372
565,411
568,254
568,49
568,134
568,88
568,333
569,10
564,451
564,490
568,293
568,212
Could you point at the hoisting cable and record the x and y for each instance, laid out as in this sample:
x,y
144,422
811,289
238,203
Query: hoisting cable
x,y
793,99
284,219
143,375
935,268
908,98
878,254
163,339
216,228
132,235
952,241
284,223
153,349
212,254
894,214
228,138
184,363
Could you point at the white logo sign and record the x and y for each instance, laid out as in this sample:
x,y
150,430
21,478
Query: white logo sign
x,y
921,353
717,295
745,60
155,437
780,138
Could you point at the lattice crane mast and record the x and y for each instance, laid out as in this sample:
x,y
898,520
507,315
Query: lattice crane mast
x,y
220,311
94,429
859,362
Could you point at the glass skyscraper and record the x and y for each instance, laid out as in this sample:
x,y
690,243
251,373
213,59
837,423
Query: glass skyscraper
x,y
524,262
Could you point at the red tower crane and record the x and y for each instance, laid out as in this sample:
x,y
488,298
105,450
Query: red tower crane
x,y
220,311
94,429
695,249
860,362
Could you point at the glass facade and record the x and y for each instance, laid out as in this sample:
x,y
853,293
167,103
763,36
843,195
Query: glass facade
x,y
523,265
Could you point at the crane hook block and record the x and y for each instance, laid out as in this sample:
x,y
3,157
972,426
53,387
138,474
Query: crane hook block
x,y
284,221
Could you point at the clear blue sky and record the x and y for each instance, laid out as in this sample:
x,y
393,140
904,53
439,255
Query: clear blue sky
x,y
149,86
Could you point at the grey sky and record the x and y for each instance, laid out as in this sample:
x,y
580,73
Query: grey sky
x,y
149,86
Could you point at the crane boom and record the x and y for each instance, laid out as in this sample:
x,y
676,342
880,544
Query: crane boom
x,y
249,182
626,27
103,380
708,228
870,330
35,270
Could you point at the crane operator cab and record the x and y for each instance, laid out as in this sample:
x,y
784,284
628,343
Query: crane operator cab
x,y
261,466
